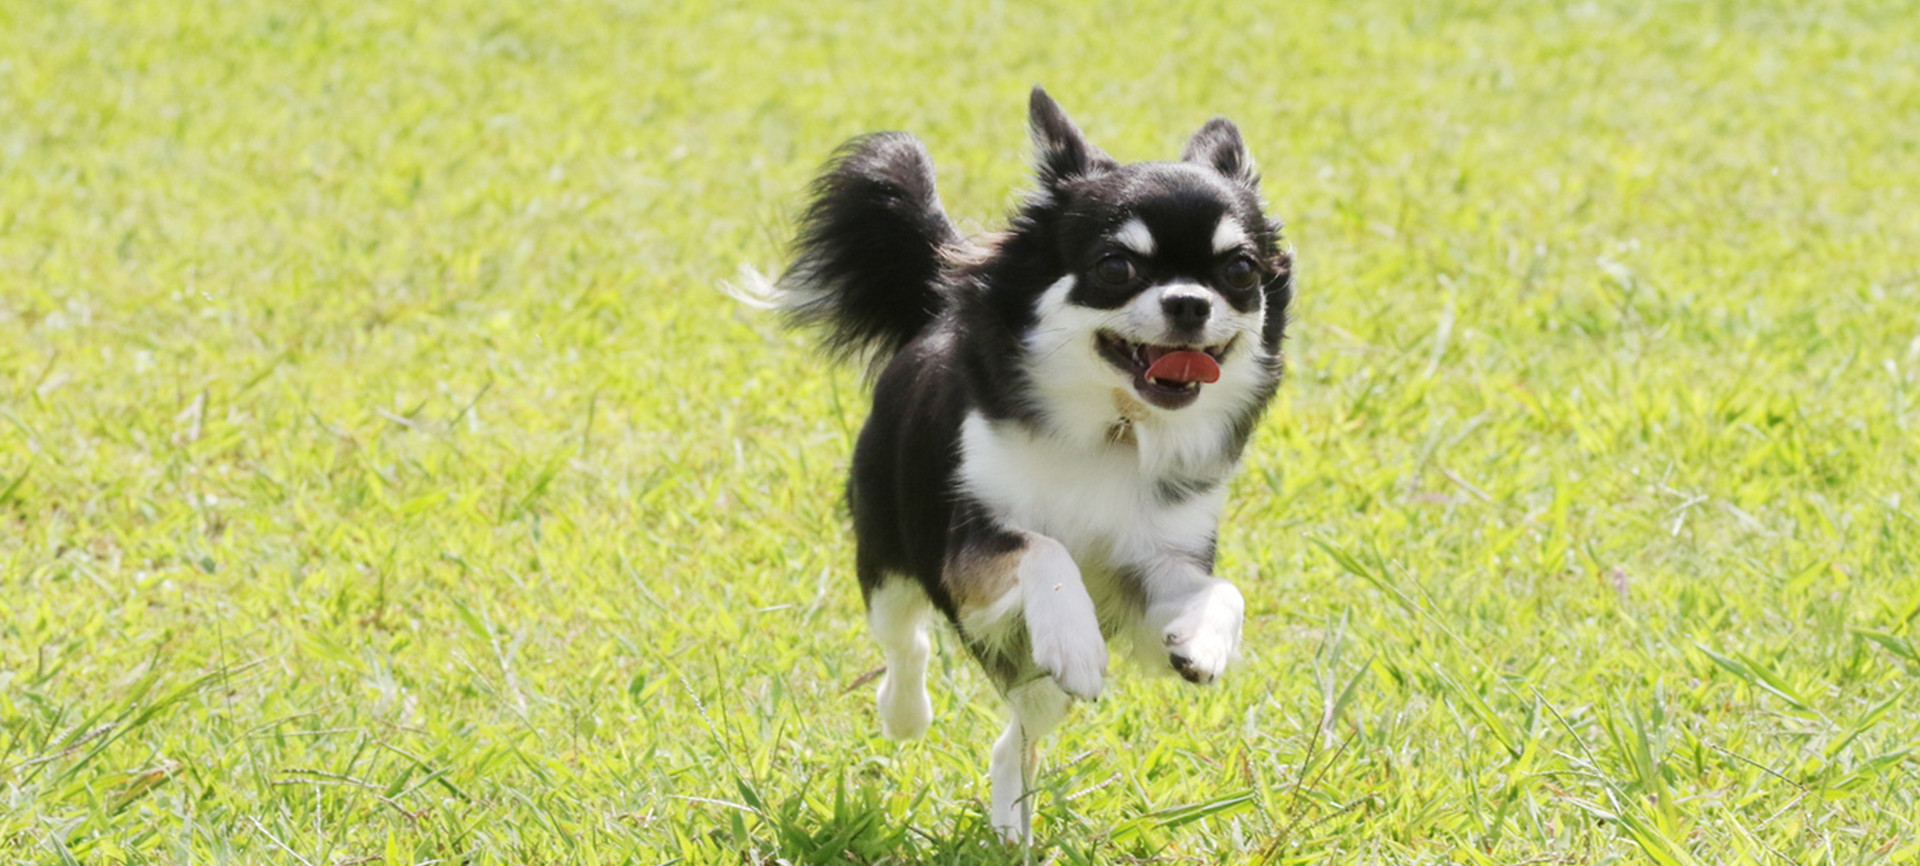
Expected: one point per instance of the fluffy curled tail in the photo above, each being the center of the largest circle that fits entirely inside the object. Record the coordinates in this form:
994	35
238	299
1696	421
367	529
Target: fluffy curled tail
867	261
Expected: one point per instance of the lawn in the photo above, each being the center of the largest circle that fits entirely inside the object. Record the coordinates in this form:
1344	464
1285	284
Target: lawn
382	478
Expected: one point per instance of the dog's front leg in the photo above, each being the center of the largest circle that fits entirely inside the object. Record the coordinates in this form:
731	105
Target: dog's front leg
1007	581
1061	621
1196	618
1003	583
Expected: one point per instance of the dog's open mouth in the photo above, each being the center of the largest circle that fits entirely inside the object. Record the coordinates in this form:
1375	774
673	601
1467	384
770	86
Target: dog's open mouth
1167	376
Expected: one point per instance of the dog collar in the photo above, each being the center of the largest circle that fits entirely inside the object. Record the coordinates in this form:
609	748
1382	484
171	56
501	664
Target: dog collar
1130	411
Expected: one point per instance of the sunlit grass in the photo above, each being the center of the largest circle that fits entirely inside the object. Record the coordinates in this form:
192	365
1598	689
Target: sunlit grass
382	480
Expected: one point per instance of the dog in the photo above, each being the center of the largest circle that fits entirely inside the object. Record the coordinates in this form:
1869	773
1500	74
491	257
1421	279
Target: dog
1057	409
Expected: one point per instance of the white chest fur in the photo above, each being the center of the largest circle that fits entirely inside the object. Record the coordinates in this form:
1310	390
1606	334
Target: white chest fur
1099	502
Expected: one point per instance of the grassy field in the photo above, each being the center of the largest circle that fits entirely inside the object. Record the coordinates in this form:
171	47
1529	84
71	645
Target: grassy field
382	479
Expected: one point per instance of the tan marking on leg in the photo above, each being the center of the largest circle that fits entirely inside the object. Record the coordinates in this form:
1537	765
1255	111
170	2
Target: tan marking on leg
976	582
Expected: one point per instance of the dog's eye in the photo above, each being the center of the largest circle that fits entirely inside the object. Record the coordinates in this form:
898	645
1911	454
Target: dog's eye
1114	270
1240	273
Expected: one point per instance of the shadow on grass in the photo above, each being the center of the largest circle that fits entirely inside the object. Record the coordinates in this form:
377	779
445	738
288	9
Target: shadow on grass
856	827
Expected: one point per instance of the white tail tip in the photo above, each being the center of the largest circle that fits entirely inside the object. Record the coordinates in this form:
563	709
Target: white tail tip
752	288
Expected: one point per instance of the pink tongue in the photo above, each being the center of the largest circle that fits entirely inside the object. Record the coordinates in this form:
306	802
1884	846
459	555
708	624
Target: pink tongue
1184	367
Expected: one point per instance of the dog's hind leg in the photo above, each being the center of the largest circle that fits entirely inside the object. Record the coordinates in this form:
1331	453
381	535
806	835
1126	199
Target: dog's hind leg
1038	707
897	613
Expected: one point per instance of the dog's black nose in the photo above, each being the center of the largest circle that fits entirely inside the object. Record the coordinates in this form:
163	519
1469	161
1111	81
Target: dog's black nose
1186	312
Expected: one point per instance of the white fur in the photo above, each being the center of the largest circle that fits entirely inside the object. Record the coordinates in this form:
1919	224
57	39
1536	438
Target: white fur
897	614
1098	503
1197	619
1011	812
1062	624
752	288
1228	235
1135	235
1109	516
1038	707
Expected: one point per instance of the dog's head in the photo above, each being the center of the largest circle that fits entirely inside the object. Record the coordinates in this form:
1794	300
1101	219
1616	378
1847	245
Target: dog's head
1165	280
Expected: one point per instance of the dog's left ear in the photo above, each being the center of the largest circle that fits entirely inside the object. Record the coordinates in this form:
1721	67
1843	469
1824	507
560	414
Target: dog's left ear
1218	146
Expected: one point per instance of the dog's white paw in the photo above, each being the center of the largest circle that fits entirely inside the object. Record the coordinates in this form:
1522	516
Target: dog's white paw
1205	635
1072	651
1011	812
905	711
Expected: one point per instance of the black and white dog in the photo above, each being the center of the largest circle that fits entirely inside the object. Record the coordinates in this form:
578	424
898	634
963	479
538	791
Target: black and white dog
1057	410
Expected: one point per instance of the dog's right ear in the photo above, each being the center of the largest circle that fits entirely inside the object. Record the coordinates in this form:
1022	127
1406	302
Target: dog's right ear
1062	152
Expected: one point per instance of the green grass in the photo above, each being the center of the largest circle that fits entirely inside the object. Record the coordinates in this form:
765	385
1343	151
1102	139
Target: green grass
382	480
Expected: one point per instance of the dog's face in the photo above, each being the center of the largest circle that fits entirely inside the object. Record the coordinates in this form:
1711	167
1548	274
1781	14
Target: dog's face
1174	287
1164	266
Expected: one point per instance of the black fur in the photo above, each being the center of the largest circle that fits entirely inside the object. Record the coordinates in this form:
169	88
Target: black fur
1218	145
867	262
1064	153
900	487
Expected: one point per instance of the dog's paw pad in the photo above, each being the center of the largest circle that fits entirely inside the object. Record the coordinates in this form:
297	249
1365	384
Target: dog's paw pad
1200	655
1203	634
1190	670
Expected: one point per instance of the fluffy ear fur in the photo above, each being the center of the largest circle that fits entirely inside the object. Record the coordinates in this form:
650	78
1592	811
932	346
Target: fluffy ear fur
1218	145
1062	152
